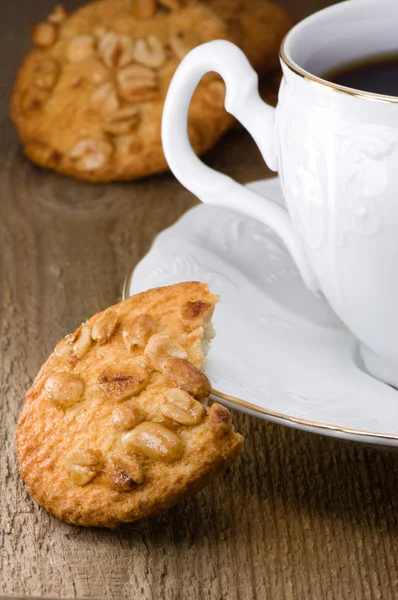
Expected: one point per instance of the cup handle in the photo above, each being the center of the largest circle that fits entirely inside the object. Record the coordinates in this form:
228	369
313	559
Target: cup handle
244	103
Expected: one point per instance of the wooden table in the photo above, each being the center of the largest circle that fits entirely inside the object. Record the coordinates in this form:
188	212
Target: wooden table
297	517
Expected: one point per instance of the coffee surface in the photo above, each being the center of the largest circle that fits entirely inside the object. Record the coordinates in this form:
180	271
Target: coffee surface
378	74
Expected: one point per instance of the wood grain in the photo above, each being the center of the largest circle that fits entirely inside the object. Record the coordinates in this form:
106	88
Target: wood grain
298	517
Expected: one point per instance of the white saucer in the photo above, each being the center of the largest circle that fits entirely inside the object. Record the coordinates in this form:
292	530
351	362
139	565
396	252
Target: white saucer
280	352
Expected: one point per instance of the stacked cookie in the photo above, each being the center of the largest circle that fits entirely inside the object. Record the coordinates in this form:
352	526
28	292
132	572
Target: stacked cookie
88	98
116	425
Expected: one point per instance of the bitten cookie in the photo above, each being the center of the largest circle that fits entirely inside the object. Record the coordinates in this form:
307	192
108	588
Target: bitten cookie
88	98
116	425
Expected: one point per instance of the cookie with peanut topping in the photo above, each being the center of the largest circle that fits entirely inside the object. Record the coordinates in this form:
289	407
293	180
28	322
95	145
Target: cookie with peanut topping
89	96
116	425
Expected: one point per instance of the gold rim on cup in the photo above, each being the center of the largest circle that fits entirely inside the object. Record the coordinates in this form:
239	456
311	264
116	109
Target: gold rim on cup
292	66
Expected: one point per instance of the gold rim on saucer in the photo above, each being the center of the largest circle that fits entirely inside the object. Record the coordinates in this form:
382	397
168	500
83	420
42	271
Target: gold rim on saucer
304	422
126	285
292	66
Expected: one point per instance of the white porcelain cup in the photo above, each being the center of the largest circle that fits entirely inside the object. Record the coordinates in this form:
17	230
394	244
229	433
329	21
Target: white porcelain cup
336	152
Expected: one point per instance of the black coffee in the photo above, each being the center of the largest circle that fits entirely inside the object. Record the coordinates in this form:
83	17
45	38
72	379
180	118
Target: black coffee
378	74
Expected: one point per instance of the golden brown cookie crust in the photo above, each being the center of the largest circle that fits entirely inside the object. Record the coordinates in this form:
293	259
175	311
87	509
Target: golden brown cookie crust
104	438
88	98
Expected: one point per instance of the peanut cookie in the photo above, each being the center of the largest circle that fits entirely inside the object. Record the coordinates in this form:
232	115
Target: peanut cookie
88	98
116	425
